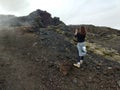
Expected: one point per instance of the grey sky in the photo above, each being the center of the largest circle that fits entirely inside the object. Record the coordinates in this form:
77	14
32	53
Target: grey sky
96	12
13	5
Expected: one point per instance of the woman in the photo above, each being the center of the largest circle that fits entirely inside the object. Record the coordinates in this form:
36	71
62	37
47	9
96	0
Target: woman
80	34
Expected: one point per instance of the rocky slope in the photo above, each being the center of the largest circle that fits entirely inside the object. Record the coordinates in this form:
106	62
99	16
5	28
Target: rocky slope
102	40
43	60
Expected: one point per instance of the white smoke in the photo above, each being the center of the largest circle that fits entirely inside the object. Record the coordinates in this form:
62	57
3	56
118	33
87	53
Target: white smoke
13	5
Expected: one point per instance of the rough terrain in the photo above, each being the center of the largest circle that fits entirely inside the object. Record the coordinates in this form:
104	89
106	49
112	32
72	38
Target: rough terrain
32	61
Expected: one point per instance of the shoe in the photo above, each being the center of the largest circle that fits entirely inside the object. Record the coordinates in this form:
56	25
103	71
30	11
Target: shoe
77	65
81	61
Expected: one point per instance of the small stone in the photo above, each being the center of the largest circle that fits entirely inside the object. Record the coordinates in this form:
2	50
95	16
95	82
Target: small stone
75	80
118	61
90	78
34	44
65	67
98	67
109	67
37	59
118	82
28	53
65	73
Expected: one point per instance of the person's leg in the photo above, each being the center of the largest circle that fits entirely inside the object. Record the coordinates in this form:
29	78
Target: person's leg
83	53
78	60
82	57
81	60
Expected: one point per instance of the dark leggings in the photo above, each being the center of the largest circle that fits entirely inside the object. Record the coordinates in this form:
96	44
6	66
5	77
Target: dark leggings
80	58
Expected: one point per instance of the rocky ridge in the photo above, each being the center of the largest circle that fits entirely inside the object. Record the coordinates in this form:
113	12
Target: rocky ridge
37	19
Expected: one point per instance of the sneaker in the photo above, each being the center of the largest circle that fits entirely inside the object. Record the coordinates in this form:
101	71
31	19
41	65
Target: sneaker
81	61
77	65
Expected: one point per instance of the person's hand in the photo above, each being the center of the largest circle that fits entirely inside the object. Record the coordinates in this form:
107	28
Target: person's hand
76	31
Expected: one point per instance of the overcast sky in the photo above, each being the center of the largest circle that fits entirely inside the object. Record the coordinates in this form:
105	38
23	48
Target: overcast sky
96	12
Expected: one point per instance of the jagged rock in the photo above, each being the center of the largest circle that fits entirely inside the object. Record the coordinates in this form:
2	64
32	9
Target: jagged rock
65	67
37	19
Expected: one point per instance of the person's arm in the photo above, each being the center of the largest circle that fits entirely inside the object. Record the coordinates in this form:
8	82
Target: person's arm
75	32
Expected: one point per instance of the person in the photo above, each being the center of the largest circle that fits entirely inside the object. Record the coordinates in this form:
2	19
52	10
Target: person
80	34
